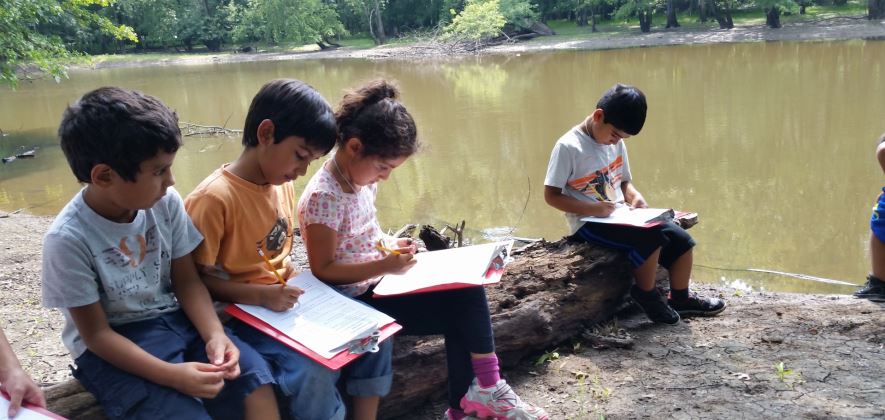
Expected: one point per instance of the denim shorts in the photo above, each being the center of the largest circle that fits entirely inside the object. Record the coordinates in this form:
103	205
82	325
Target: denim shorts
639	243
877	220
170	337
309	389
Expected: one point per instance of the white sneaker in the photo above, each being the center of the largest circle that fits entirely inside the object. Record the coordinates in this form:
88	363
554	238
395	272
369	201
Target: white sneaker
499	402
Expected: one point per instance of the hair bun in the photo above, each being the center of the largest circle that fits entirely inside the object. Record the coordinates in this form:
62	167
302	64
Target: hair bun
377	91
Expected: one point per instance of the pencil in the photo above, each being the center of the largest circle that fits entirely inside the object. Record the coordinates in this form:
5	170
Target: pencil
382	248
270	267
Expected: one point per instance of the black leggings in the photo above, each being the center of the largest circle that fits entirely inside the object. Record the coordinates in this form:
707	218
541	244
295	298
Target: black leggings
461	315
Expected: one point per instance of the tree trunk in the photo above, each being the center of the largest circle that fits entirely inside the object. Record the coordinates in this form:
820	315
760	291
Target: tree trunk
702	11
550	293
876	9
671	15
773	18
593	20
581	17
645	21
381	36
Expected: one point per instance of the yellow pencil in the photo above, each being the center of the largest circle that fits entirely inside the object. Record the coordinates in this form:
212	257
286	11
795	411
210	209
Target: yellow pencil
382	248
270	267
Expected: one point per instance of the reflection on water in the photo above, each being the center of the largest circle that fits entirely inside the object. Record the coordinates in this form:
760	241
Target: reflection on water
771	143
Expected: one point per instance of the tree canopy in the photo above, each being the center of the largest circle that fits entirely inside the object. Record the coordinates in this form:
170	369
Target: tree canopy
31	33
44	34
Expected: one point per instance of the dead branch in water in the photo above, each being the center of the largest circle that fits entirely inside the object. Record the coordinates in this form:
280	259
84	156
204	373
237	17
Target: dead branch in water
191	129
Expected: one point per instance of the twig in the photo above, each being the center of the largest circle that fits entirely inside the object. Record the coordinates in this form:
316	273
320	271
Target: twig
524	206
191	129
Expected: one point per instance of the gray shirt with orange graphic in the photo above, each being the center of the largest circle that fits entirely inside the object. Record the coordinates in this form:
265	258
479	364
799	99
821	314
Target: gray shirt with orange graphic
126	267
587	171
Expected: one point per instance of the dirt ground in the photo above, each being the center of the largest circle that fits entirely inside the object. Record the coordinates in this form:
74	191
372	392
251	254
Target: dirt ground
832	350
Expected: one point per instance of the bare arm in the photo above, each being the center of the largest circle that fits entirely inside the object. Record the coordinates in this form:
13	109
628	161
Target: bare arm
15	382
880	155
196	379
632	196
197	304
556	199
321	242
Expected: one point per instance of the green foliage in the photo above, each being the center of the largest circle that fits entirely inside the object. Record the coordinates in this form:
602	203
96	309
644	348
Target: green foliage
519	13
787	376
548	356
480	20
24	39
275	21
782	5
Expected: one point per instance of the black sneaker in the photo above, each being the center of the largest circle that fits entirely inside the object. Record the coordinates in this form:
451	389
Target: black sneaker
873	290
697	306
654	306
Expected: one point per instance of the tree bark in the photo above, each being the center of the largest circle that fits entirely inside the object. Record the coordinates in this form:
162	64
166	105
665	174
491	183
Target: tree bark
671	15
876	9
379	33
773	18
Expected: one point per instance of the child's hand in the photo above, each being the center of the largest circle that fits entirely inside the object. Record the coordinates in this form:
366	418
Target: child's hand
280	298
406	246
21	388
639	202
223	354
200	380
602	208
399	264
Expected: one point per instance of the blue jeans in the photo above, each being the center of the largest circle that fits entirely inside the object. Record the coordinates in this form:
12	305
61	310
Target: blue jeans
170	337
309	389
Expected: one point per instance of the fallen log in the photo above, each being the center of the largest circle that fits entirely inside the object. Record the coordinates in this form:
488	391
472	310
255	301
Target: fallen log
550	293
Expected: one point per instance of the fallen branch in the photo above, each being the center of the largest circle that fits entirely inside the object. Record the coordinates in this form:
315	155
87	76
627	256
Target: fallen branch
191	129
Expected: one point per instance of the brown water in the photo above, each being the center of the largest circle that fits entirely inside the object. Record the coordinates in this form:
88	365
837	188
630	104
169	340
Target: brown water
771	143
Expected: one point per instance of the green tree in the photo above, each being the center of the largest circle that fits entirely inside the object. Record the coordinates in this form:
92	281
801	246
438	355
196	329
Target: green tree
23	43
479	21
371	11
277	21
773	9
520	14
642	9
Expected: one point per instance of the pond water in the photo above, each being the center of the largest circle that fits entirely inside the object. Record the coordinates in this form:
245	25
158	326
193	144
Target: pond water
771	143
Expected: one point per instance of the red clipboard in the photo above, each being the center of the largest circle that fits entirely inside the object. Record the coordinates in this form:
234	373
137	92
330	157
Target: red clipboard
34	408
492	277
337	362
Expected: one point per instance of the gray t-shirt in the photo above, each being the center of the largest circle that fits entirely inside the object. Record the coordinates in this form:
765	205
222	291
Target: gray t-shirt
587	171
124	266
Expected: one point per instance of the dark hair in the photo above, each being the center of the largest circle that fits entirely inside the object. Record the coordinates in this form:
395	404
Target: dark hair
296	109
373	114
882	139
117	127
624	107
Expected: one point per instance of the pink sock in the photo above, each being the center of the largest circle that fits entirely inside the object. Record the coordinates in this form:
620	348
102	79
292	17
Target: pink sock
456	414
486	370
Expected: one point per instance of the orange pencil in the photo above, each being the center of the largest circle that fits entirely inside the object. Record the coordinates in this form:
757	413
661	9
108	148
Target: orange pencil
270	267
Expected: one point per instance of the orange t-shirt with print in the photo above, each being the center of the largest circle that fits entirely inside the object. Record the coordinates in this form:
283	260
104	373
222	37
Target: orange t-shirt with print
236	218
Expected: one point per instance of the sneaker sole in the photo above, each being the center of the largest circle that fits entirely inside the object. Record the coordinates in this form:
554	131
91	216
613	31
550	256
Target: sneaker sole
873	298
694	313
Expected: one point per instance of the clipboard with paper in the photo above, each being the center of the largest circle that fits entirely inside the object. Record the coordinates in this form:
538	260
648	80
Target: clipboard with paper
647	217
326	326
456	268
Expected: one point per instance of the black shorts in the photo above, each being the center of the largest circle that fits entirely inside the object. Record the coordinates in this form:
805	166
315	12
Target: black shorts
639	243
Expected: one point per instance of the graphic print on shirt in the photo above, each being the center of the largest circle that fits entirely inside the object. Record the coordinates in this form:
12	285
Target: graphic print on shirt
131	277
275	239
600	185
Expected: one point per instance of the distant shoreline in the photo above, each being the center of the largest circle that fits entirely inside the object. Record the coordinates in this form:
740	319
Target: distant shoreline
831	29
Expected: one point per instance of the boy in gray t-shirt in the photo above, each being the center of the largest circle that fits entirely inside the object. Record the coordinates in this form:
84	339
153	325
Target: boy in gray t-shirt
117	262
589	175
